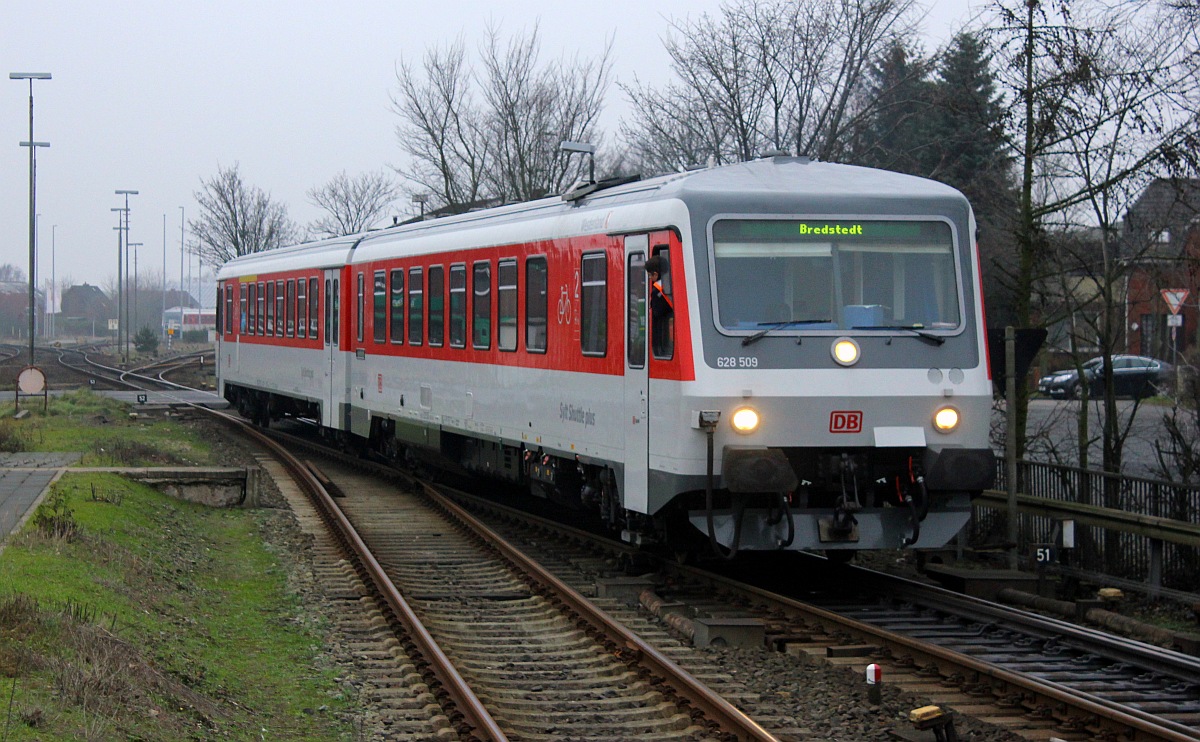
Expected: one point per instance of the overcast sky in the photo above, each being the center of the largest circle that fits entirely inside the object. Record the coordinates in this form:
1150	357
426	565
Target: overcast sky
153	96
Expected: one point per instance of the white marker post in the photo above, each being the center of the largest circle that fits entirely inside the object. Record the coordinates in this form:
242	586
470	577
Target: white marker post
874	683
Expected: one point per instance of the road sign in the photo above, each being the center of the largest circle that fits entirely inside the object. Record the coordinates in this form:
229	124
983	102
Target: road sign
1175	320
1174	299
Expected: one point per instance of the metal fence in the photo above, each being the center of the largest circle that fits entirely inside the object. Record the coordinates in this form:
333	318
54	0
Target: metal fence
1120	554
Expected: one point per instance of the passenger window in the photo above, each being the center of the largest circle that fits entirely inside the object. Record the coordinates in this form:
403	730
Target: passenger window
279	308
536	304
437	307
506	301
379	307
481	307
458	306
314	307
361	306
416	306
291	307
243	309
301	308
593	309
253	329
396	318
270	308
636	306
662	310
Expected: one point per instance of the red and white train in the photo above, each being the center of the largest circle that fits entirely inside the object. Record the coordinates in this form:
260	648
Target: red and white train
822	383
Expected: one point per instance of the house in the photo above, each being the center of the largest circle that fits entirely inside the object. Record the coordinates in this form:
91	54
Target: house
1160	236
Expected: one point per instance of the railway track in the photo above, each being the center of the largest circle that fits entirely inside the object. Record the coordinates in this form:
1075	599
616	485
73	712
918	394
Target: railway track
504	671
1014	677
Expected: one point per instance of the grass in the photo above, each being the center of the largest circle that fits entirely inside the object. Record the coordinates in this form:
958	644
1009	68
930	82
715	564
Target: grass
102	429
125	614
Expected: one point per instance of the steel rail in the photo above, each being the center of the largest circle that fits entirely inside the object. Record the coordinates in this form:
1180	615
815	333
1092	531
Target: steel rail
1123	720
476	715
688	687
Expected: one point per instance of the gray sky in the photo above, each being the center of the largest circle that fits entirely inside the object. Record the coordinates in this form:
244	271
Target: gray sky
153	96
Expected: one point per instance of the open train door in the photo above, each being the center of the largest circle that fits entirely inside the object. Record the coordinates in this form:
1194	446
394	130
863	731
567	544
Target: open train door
637	378
335	370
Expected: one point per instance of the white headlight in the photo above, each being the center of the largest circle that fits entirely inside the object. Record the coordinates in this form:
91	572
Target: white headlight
845	351
945	419
744	420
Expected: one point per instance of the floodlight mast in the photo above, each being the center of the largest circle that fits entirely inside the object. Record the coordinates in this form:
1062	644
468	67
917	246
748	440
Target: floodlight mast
32	145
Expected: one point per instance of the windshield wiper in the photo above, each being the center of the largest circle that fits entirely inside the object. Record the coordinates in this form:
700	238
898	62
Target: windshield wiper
772	326
935	339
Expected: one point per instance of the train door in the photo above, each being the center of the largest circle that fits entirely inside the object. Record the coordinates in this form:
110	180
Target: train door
637	381
336	368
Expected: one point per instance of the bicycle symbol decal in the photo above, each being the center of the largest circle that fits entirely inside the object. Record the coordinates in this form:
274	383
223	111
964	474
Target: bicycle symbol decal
564	307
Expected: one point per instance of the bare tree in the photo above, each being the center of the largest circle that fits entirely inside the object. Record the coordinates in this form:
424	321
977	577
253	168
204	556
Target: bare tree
352	205
494	133
237	219
766	74
10	272
1100	97
441	128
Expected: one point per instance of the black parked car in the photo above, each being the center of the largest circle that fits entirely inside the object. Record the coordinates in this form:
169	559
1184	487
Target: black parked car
1133	376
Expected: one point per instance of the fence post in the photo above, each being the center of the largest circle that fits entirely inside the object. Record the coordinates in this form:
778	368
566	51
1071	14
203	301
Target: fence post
1010	442
1154	578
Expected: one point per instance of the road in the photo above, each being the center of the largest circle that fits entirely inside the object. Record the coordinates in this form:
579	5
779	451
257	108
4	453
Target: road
1053	433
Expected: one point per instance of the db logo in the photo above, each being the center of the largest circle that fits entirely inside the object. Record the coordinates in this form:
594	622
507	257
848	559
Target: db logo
845	421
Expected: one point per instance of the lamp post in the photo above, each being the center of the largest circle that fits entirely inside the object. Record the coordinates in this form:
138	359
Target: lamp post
133	287
32	145
53	282
122	312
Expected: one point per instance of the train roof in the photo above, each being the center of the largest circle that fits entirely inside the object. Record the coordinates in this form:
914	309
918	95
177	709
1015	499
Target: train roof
756	181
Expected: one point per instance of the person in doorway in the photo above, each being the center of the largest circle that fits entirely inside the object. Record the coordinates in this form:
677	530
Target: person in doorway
661	308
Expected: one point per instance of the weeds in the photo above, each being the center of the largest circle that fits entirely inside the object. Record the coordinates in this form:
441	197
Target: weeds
115	497
125	452
13	439
55	519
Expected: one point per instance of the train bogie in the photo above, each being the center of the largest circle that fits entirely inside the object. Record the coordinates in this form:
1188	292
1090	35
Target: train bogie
806	370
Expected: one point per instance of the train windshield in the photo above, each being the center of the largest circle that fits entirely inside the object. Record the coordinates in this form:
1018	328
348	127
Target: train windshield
798	275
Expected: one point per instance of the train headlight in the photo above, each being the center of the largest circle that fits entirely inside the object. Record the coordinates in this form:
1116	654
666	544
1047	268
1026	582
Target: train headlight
744	420
845	351
945	420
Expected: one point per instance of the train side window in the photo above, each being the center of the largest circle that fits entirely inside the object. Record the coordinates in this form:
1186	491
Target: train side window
361	306
536	304
252	329
662	331
262	309
228	310
243	309
593	304
397	307
437	311
458	306
336	313
635	300
416	306
314	307
279	308
481	306
328	307
301	308
379	302
506	304
270	308
290	307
